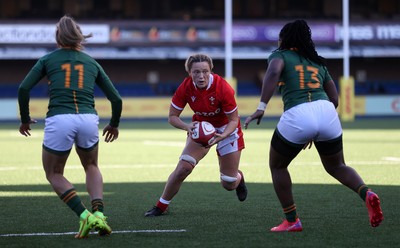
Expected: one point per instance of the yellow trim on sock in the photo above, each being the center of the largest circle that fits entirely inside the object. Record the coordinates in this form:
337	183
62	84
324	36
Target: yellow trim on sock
360	188
289	209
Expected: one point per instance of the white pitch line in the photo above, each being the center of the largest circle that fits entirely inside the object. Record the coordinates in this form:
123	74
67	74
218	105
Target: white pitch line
72	233
79	167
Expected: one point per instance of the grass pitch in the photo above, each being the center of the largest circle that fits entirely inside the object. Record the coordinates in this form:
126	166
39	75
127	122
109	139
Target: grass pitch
203	214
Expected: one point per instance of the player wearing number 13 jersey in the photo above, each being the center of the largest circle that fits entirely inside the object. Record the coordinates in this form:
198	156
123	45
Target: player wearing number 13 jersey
301	80
72	120
310	99
212	100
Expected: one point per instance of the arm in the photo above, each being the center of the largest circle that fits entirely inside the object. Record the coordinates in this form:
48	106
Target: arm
270	81
331	91
33	77
232	125
105	84
26	121
176	121
110	131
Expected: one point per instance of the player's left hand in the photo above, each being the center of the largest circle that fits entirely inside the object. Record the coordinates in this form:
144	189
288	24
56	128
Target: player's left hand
256	115
217	138
111	133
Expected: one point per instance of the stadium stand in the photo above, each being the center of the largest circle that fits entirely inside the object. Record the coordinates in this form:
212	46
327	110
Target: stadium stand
374	51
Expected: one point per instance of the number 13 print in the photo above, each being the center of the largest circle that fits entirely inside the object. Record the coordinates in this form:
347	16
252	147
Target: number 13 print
314	79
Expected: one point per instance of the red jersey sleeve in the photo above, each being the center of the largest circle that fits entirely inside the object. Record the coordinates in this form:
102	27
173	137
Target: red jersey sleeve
179	98
227	94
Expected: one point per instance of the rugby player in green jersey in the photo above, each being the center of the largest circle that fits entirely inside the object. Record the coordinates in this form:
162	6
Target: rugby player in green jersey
72	119
310	99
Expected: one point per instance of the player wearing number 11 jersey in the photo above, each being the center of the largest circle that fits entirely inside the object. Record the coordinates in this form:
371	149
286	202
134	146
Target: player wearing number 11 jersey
72	120
310	98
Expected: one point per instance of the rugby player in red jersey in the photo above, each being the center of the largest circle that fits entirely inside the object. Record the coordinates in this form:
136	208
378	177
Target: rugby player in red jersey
211	99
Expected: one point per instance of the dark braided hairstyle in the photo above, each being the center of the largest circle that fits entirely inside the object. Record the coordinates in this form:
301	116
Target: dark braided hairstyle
297	35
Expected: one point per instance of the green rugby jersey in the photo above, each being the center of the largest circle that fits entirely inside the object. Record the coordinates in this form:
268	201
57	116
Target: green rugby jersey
301	79
72	76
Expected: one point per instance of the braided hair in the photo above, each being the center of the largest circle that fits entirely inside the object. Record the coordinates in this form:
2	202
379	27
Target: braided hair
297	36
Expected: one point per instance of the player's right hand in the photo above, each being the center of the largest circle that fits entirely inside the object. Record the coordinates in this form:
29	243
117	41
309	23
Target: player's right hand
190	127
256	115
24	128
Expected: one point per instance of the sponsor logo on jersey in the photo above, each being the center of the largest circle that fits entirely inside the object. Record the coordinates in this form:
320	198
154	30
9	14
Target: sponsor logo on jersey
218	110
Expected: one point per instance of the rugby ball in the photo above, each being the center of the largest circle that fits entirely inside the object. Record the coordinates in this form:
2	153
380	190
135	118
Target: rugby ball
203	133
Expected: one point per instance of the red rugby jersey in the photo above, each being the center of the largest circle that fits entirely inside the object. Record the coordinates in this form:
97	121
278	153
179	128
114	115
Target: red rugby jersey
211	104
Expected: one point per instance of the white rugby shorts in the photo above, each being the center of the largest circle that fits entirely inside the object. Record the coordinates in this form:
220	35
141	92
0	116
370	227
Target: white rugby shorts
229	144
317	121
64	130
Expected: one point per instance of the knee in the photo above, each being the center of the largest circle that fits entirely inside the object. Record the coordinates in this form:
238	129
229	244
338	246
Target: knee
228	182
49	177
90	168
188	159
332	169
183	170
54	172
329	170
228	186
